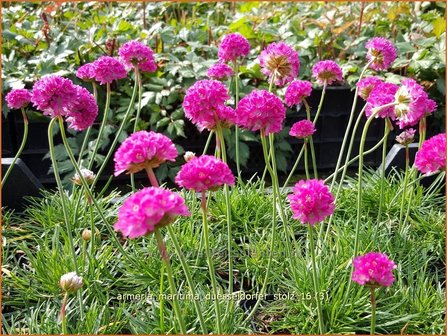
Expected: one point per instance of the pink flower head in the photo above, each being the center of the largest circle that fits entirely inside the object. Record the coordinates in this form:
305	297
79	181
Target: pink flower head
204	103
413	103
327	71
147	210
107	69
203	173
297	91
84	111
233	46
406	137
373	269
431	156
18	98
311	201
134	53
53	95
365	86
261	110
302	129
382	94
382	52
86	72
220	71
143	149
281	61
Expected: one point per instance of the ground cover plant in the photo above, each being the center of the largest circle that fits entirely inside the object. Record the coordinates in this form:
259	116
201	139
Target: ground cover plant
218	253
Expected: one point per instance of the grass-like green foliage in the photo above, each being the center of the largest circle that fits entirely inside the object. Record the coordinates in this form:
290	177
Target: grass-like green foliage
36	254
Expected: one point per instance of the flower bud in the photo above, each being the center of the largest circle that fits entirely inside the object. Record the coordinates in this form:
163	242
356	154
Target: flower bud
87	234
88	175
406	137
189	156
70	282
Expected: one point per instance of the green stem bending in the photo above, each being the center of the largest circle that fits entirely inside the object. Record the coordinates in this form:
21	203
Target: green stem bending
101	129
208	141
236	130
373	310
210	264
404	193
165	258
137	117
382	170
306	164
22	146
315	280
311	142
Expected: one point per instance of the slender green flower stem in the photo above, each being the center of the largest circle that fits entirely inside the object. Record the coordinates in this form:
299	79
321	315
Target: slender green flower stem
382	171
348	127
315	280
293	169
320	105
103	124
62	316
206	236
137	117
165	258
208	141
373	310
118	133
22	146
306	164
311	141
422	130
162	301
236	130
273	237
89	130
404	193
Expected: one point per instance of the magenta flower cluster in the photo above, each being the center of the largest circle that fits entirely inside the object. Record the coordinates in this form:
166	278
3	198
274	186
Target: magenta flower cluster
86	72
302	129
204	173
431	156
381	52
297	91
311	201
232	47
373	269
147	210
382	94
84	111
327	72
220	71
142	150
134	53
107	69
18	98
366	85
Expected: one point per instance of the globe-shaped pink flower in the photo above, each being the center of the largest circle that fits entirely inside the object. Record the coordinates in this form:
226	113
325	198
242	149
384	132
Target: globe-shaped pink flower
373	269
107	69
86	72
261	110
281	62
327	72
381	94
366	85
430	158
412	103
147	210
302	129
204	173
382	52
142	150
53	95
134	53
297	91
84	111
18	98
311	201
232	47
220	71
204	104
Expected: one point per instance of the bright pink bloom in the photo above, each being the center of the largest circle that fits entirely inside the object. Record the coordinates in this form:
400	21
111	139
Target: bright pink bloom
382	51
413	103
148	66
136	53
302	129
431	156
327	71
281	61
204	103
233	46
53	95
382	94
311	201
203	173
406	137
107	69
297	91
18	98
143	149
86	72
220	71
373	269
365	86
147	210
84	111
261	110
